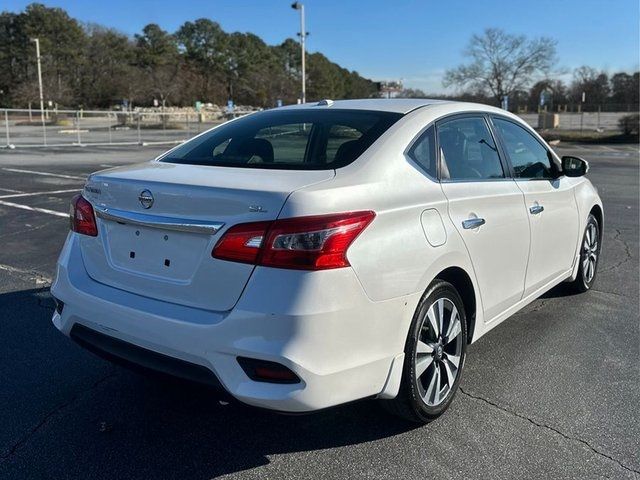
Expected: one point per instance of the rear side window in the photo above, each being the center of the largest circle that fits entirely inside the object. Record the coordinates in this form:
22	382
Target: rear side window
528	157
287	139
467	150
423	152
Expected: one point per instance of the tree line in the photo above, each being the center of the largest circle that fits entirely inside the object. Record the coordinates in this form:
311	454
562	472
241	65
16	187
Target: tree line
93	66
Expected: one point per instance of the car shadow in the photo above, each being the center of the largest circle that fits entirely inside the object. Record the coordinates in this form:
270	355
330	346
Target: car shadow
102	421
564	289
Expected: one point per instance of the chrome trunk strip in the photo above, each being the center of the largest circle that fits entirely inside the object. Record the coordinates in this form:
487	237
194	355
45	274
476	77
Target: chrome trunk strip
155	221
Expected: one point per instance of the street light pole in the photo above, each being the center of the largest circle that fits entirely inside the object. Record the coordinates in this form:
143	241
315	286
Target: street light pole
303	35
44	130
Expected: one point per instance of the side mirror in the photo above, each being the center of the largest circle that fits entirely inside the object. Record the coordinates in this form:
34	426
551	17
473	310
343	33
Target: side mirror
574	166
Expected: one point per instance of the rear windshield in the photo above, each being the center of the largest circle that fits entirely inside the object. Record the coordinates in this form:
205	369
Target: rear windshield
287	139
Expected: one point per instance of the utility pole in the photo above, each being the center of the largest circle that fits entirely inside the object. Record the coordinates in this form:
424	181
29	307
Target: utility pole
584	97
44	129
303	35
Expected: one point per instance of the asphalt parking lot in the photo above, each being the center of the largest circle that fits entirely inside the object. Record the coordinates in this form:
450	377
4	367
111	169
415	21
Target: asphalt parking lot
553	392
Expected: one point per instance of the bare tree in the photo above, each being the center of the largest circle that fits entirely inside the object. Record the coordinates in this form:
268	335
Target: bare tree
501	63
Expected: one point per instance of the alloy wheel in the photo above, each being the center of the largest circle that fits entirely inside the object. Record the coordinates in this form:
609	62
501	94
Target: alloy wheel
438	352
590	253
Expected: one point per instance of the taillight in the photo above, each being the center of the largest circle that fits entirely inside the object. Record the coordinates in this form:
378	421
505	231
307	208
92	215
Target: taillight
304	243
242	242
313	243
82	217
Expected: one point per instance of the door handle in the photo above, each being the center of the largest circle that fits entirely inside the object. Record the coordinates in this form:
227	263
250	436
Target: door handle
536	209
473	223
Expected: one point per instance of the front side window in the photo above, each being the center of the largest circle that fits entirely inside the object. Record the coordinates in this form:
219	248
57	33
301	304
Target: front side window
302	139
529	158
467	150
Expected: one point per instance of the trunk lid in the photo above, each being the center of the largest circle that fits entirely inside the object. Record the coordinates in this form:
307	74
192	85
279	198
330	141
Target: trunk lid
164	251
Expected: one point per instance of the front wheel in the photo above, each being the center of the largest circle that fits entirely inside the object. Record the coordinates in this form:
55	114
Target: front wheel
589	256
434	355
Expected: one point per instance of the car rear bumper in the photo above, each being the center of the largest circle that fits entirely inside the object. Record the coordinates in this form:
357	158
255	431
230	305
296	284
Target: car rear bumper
320	325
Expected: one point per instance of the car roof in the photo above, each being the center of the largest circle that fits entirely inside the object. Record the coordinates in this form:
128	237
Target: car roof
397	105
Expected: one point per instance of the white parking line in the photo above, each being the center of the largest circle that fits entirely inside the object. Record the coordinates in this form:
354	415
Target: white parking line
33	194
10	190
34	209
47	174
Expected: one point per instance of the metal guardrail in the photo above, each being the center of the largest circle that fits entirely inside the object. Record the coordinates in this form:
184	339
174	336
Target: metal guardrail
59	128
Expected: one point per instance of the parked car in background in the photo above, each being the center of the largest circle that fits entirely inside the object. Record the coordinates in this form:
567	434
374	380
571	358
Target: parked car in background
312	255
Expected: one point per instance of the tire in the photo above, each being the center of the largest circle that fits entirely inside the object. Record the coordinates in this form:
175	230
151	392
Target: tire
589	256
431	357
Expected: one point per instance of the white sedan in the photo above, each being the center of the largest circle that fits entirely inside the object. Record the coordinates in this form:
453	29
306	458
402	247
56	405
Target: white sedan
312	255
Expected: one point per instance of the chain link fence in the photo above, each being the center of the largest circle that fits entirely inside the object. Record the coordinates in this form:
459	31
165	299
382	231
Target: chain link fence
59	128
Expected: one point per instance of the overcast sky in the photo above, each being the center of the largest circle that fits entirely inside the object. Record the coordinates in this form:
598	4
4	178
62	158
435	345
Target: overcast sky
396	39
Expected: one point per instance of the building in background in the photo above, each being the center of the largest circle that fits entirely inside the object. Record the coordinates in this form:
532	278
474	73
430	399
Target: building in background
389	88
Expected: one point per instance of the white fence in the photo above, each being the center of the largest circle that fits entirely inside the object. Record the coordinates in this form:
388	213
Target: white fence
585	121
33	128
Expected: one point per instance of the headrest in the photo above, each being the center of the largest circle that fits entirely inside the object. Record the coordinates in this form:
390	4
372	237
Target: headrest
348	151
258	147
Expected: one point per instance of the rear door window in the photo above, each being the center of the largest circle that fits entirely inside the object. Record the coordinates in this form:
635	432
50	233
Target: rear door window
467	150
302	139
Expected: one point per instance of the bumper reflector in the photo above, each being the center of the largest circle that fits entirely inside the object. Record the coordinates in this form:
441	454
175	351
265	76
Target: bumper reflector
265	371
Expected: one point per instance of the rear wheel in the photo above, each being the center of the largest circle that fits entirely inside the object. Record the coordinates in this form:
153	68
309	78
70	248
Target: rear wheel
589	256
434	355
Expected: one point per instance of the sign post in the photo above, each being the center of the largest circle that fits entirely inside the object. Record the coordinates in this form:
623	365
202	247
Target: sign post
505	102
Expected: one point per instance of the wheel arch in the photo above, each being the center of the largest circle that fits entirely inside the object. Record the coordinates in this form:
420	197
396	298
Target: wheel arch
596	211
461	280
